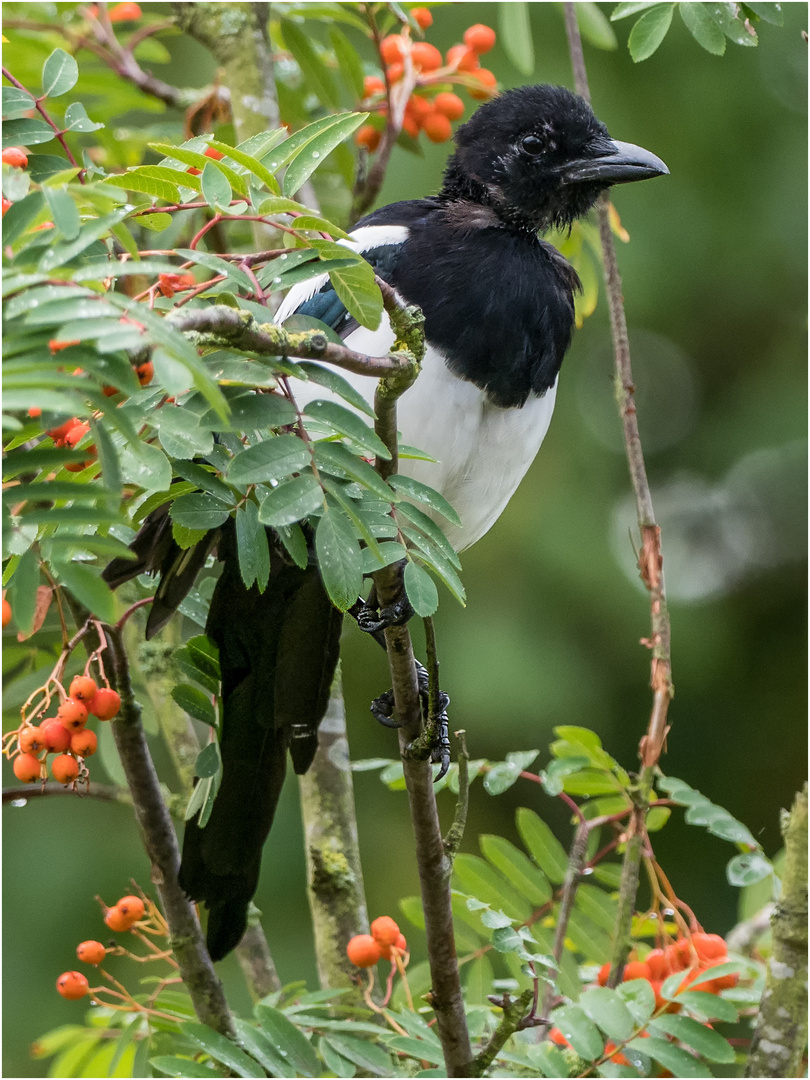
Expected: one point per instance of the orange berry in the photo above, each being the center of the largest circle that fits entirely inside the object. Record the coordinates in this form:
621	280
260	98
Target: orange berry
166	284
35	411
27	768
399	948
7	205
116	920
418	107
363	951
194	172
462	58
372	85
44	225
145	373
449	105
72	985
213	153
724	982
426	57
604	974
91	952
58	434
422	17
127	12
479	38
32	740
84	743
82	688
64	768
92	11
437	128
557	1037
392	48
636	969
185	281
709	946
77	433
13	155
385	930
369	137
104	704
56	735
72	714
410	126
6	612
488	84
395	72
57	346
617	1059
658	964
131	907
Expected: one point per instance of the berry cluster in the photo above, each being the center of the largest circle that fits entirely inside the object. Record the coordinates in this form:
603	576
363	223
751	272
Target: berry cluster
64	735
430	107
385	942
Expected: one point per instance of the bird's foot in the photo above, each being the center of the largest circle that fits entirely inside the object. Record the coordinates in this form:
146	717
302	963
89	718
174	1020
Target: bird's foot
373	620
434	742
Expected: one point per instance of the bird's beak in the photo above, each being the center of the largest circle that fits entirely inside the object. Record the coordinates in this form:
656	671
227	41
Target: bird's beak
620	163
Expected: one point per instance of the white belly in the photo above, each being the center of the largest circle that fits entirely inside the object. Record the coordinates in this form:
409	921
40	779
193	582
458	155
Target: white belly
482	452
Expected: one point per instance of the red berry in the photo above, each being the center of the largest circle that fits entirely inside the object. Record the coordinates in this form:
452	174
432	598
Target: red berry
32	740
426	57
709	946
449	105
64	768
636	969
7	205
658	964
369	137
82	688
13	155
437	128
193	171
72	714
72	985
131	907
57	346
58	434
145	373
77	433
105	703
127	12
395	72
479	38
363	951
6	612
91	952
604	974
422	17
27	768
385	930
56	735
213	153
84	743
116	920
392	48
372	85
488	85
35	411
462	58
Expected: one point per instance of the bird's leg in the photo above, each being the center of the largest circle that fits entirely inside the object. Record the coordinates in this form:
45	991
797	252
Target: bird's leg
372	619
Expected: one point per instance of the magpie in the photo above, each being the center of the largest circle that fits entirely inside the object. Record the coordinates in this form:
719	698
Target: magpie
498	302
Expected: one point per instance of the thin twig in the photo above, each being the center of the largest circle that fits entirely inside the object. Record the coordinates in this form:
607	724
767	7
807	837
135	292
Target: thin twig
573	876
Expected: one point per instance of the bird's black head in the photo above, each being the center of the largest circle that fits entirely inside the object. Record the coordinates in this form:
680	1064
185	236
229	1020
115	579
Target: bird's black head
538	156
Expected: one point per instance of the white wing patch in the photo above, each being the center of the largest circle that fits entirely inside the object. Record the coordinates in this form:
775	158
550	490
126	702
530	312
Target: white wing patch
363	239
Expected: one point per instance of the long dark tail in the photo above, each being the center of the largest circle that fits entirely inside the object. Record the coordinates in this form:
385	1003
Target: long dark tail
278	651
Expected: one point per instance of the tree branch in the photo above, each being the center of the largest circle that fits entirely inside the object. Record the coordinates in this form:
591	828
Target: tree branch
107	792
513	1013
255	958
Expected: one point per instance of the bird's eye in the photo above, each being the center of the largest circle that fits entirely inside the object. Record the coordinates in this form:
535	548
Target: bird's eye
532	144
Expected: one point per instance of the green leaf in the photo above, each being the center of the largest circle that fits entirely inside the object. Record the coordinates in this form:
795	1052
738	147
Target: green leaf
543	845
76	119
23	591
579	1031
336	457
726	16
417	1048
60	73
317	77
64	211
369	1057
59	254
26	131
649	32
149	185
748	867
271	459
309	158
706	1042
515	35
86	585
703	28
731	967
549	1059
208	762
339	558
15	100
345	422
477	878
356	287
288	1040
671	1057
171	1065
389	552
219	266
145	465
259	1046
199	511
422	493
339	1065
639	997
518	868
350	64
222	1049
657	818
250	163
429	527
294	541
621	11
609	1012
196	160
421	590
328	377
252	546
771	13
291	501
709	1005
594	27
195	703
215	188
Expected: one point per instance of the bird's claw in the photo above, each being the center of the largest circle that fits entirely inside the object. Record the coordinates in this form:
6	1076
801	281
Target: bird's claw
382	709
437	727
372	620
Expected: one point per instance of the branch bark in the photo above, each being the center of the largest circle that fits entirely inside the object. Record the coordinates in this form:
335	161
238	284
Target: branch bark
780	1036
336	895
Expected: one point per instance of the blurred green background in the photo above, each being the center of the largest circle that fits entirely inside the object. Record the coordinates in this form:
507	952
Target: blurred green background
715	286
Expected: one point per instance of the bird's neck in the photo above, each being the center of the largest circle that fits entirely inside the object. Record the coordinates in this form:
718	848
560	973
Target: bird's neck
459	184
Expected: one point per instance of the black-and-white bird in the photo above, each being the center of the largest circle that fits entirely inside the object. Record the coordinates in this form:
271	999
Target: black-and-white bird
498	302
